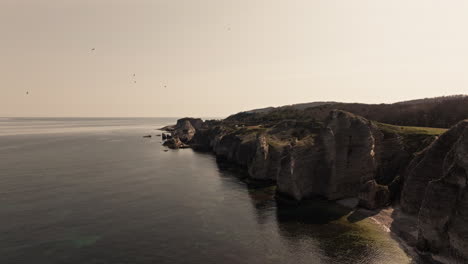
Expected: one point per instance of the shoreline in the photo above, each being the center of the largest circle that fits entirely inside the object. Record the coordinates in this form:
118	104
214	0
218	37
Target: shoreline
403	229
347	157
384	217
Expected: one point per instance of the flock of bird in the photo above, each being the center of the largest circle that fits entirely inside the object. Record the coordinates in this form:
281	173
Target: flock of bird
134	76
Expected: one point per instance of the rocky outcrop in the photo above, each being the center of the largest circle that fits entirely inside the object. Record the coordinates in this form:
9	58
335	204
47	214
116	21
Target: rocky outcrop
393	156
436	189
373	195
186	128
266	162
348	156
349	142
427	166
237	149
333	159
260	162
182	133
175	143
334	163
304	171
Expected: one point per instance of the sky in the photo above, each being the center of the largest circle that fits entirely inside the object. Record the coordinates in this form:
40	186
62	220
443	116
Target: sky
77	58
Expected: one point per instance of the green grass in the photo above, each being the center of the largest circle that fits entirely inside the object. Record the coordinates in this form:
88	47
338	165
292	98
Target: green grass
431	131
249	130
276	142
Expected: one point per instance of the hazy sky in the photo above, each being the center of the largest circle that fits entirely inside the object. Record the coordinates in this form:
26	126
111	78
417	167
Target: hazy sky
218	57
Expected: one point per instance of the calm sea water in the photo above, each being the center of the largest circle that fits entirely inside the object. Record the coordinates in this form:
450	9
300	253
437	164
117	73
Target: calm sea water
95	191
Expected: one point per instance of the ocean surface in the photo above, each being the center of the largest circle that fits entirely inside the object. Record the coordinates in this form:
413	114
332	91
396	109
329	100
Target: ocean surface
95	191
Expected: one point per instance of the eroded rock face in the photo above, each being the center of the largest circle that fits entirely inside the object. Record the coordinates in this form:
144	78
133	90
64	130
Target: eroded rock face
259	165
304	170
266	162
334	159
334	164
348	156
197	123
373	195
175	143
392	157
443	215
426	167
186	128
350	148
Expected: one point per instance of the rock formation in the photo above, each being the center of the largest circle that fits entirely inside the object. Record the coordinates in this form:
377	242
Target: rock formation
186	128
436	189
182	133
332	163
175	143
373	195
347	156
333	159
427	166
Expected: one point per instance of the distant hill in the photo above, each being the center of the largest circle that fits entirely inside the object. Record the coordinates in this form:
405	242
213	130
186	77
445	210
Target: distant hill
438	99
442	112
294	106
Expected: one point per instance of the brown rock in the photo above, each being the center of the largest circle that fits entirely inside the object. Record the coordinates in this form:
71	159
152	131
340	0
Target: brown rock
175	143
443	215
427	166
373	195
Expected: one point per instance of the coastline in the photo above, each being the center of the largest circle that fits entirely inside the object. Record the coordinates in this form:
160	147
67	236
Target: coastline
346	157
403	229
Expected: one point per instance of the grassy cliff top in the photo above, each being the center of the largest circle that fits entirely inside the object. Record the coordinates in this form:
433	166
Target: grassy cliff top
406	130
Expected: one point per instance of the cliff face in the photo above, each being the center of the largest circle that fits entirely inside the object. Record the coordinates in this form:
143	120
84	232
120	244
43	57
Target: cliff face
427	166
350	147
337	158
334	163
186	128
346	155
266	162
436	189
303	161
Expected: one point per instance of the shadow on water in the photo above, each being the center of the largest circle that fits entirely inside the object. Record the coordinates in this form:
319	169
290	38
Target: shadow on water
357	216
340	233
325	223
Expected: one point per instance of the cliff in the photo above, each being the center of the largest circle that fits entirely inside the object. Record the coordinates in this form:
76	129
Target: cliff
442	112
343	155
436	191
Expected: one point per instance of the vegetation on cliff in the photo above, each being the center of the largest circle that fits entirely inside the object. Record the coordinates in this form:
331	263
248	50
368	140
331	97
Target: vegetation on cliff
366	152
439	112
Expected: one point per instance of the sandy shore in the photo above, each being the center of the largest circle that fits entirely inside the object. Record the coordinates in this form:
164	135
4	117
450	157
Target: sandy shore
403	229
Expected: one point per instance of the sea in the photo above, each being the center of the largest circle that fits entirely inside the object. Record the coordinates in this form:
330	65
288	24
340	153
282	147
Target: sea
95	191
